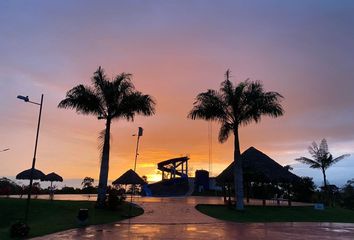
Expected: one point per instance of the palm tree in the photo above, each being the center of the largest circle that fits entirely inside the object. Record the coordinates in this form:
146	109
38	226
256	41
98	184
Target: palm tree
87	182
109	100
322	158
235	106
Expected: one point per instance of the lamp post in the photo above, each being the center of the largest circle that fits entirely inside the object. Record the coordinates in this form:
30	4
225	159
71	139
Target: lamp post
26	99
140	133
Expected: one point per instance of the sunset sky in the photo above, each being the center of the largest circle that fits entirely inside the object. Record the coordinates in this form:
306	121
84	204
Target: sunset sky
175	50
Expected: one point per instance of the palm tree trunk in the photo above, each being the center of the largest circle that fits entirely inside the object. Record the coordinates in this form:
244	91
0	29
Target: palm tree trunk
102	184
324	179
326	192
238	172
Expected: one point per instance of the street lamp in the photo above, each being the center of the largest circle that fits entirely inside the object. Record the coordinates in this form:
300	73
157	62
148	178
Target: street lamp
26	99
140	133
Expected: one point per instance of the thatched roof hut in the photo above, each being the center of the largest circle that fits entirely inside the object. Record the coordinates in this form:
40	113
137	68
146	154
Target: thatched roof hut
26	175
52	177
129	177
258	167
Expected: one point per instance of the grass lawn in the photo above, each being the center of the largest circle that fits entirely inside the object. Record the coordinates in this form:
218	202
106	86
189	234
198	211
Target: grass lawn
52	216
277	214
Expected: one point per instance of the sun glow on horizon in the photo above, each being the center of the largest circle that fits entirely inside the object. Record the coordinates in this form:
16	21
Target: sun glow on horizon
153	177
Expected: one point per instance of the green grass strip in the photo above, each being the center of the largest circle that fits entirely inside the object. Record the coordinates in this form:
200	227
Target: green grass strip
47	217
277	214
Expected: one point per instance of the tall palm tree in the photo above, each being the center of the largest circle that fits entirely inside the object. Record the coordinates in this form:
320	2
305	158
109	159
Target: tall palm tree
235	106
322	158
109	100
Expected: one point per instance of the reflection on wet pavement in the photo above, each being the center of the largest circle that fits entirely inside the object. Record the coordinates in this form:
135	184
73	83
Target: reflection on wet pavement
177	218
222	230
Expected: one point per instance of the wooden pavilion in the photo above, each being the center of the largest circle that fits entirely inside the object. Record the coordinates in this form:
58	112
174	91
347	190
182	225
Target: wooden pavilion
257	168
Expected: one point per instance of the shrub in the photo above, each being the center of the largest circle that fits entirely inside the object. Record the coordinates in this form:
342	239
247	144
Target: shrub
19	229
8	187
304	190
347	195
89	190
115	198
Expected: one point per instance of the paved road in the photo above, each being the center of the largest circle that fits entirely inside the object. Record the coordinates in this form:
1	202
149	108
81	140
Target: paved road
176	218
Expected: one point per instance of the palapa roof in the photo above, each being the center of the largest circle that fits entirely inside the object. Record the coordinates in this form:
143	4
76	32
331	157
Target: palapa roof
129	177
26	175
52	177
258	167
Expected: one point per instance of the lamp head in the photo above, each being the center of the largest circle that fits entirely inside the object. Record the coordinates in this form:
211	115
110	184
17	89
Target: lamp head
26	99
140	132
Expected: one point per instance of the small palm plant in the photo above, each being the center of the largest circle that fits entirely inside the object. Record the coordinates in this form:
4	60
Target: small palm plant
109	100
234	106
322	158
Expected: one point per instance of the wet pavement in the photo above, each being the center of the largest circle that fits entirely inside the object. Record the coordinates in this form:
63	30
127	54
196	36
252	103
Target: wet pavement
222	230
177	218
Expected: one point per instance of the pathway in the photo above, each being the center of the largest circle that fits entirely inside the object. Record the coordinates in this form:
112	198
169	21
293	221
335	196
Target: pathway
176	218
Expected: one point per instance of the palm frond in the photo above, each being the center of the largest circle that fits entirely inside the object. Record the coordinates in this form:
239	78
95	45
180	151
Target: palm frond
271	104
99	80
100	138
324	146
123	77
84	100
117	90
256	103
312	163
313	150
208	106
122	83
224	132
227	89
337	159
135	103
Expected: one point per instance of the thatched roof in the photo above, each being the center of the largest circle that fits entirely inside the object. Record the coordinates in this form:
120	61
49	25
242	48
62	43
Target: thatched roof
52	177
129	177
258	167
26	175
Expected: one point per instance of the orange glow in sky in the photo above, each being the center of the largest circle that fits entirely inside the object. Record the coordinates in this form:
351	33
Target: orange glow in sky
174	50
